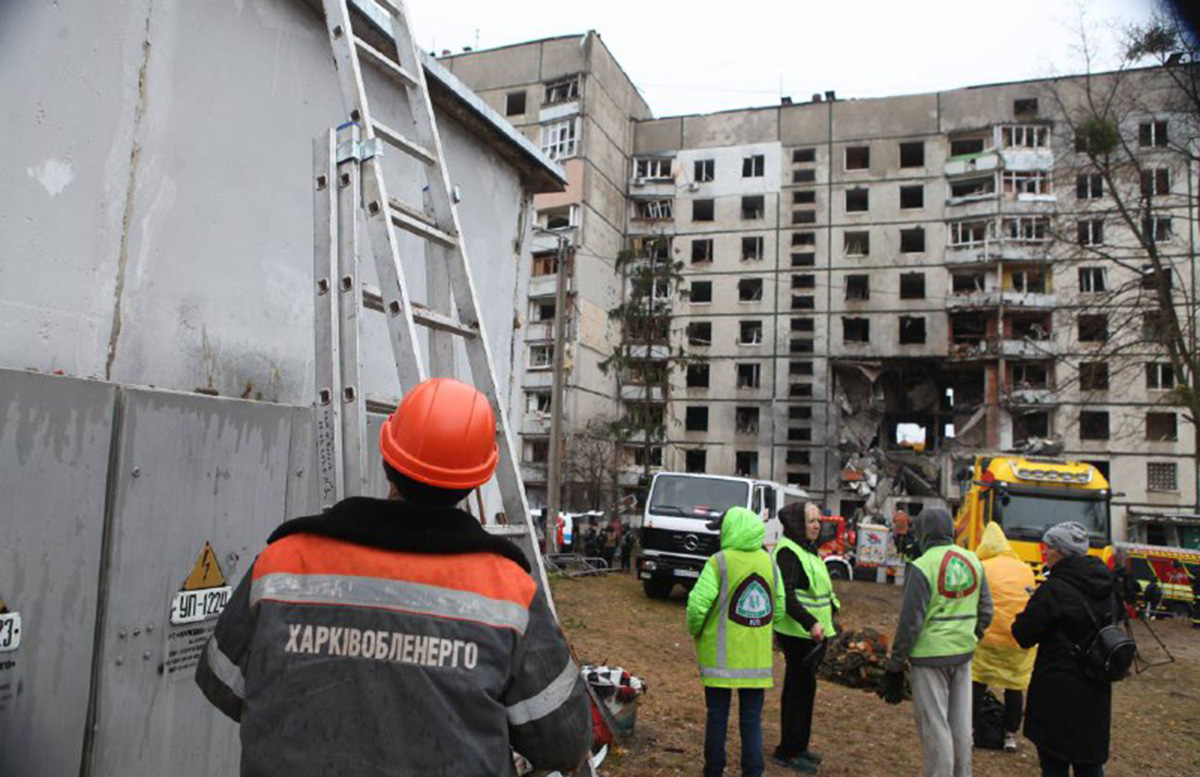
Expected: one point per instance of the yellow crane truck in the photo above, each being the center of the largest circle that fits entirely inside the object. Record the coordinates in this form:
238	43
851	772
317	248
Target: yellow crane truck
1026	495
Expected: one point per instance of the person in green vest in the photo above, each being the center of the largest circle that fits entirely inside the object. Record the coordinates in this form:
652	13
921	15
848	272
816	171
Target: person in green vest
803	631
946	608
730	611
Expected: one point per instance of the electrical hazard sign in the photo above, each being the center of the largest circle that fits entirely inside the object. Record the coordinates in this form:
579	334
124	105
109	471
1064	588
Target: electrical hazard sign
204	593
10	629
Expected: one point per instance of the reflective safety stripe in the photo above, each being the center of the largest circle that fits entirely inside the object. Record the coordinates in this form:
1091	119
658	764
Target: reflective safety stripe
229	673
735	674
722	606
547	700
396	595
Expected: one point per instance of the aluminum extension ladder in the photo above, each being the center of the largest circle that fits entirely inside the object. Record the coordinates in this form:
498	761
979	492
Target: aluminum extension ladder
349	182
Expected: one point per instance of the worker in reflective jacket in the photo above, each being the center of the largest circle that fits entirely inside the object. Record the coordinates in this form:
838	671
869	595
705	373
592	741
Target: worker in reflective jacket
730	611
946	608
803	631
397	636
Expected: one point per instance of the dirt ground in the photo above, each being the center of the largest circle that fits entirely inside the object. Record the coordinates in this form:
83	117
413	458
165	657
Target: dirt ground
1156	715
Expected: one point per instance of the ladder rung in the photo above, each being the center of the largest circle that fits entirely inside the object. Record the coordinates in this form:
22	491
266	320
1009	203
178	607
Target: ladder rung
419	224
373	300
414	150
506	530
385	64
390	7
381	405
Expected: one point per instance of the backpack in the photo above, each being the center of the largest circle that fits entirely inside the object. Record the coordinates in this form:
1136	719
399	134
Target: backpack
988	722
1107	653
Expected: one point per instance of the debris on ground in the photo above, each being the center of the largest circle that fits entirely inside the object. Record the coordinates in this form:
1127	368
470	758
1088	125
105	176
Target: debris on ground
856	659
619	691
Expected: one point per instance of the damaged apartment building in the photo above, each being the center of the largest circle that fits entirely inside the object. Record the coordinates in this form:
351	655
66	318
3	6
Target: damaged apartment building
875	290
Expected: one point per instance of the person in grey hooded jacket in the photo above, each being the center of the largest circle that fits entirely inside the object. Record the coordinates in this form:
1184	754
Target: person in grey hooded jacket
945	610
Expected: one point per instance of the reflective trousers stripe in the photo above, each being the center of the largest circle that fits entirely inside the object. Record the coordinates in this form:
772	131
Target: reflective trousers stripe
547	700
394	595
967	617
229	673
722	606
735	674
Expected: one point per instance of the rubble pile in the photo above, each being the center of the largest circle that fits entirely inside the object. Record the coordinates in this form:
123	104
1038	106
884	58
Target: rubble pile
855	658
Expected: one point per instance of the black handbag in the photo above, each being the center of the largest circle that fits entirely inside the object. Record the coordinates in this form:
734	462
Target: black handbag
1107	652
988	722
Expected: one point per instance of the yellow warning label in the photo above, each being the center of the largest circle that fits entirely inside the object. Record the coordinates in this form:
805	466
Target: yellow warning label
206	573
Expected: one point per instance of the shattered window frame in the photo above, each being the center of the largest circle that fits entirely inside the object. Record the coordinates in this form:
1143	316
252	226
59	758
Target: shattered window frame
745	419
704	170
1026	229
858	199
702	250
754	207
1026	182
971	233
856	330
1162	426
912	285
746	464
750	289
1024	136
658	209
748	375
653	168
538	401
750	332
856	243
560	138
541	356
857	287
911	330
1094	425
561	90
754	166
857	158
752	248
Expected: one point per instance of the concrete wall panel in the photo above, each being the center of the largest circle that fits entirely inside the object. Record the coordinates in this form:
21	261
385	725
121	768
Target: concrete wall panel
733	128
652	137
909	115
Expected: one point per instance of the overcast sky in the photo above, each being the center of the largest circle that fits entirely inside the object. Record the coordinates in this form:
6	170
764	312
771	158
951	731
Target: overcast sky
687	60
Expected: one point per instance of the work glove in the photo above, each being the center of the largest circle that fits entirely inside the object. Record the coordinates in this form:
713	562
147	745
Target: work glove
892	687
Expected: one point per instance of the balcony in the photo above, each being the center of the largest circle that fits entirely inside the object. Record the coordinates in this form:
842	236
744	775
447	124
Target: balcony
1026	349
972	254
1028	300
974	300
640	393
971	163
648	351
972	206
1043	396
1027	158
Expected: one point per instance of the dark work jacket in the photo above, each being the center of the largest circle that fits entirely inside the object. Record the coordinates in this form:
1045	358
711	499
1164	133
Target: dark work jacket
1068	714
390	638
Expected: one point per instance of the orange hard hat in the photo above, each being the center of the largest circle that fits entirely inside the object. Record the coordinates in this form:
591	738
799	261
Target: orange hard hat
442	434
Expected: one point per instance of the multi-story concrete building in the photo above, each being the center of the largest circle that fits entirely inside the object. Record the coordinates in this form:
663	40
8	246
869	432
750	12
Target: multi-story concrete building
881	288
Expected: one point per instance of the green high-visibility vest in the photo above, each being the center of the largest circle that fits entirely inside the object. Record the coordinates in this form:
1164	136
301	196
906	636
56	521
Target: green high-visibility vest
955	583
734	648
818	598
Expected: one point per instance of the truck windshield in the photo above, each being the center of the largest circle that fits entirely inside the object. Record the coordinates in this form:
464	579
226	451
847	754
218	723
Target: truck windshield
1027	516
704	498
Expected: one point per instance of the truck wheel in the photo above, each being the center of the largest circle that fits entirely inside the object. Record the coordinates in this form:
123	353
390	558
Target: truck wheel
657	588
837	571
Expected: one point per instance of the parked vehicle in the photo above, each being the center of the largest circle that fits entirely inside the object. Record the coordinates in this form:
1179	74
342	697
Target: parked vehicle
1164	550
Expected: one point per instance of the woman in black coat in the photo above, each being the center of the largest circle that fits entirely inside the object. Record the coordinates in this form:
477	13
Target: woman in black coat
1068	714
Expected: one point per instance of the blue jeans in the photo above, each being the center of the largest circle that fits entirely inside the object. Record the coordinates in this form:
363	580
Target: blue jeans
750	705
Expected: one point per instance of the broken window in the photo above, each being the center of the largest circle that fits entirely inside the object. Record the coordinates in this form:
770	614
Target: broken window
1029	376
801	345
1155	326
1148	278
1090	232
856	200
912	241
695	460
558	139
804	197
750	333
746	464
803	302
703	210
654	168
654	210
704	170
799	434
804	260
967	328
803	155
657	248
1024	136
752	248
1026	425
966	146
804	238
695	418
1025	107
753	206
1032	229
912	154
750	290
1157	229
563	217
804	281
1092	280
802	325
801	479
968	233
912	330
804	390
857	243
541	356
858	157
701	291
699	333
697	376
1093	425
1093	328
537	401
1032	327
1030	281
1161	476
1160	376
514	103
982	186
753	166
804	176
1093	376
912	285
562	90
1152	133
800	368
702	251
640	458
1156	182
1161	427
804	217
748	375
1089	186
856	330
1026	182
912	197
966	282
536	451
800	413
799	458
745	420
858	288
541	309
544	264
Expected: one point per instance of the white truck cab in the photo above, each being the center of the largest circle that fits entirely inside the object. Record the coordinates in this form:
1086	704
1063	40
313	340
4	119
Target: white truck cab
676	541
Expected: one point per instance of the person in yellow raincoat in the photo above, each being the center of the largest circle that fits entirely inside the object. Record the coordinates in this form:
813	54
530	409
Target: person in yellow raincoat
999	661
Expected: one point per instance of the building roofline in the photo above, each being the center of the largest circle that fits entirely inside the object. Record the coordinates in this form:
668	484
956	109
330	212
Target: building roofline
511	45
